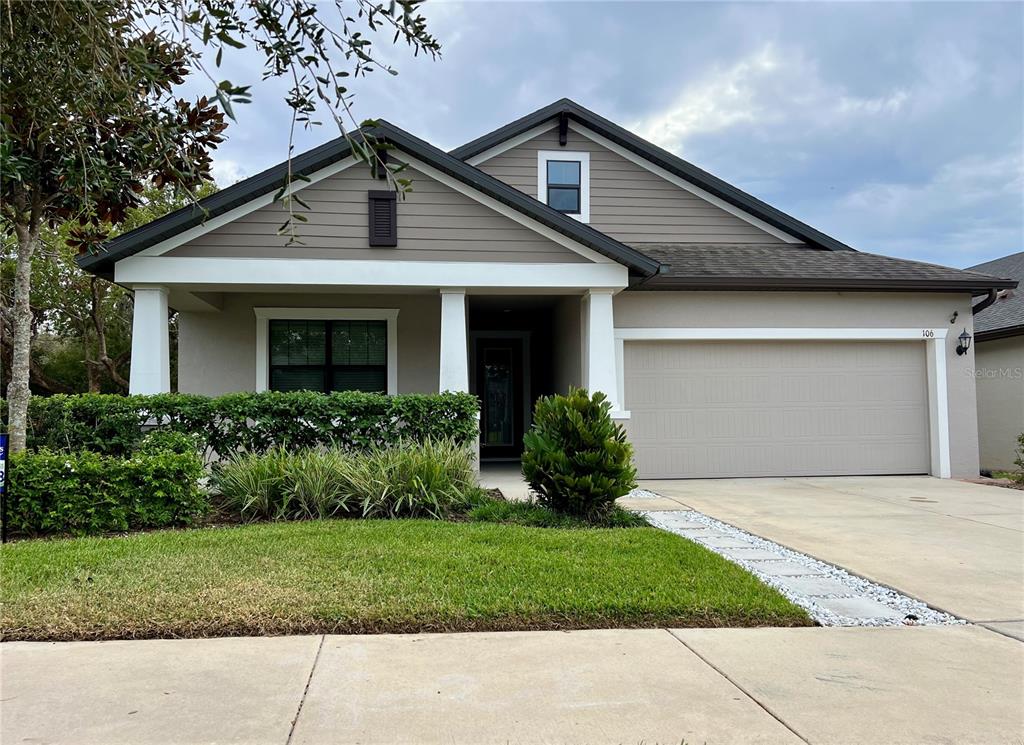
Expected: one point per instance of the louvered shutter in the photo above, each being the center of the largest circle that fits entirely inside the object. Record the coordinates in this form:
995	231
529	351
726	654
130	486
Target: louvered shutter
383	218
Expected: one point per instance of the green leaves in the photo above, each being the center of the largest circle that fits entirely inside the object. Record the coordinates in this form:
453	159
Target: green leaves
86	493
575	457
409	479
251	422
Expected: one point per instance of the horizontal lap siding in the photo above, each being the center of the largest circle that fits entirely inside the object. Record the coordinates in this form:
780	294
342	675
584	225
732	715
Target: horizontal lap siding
628	202
435	223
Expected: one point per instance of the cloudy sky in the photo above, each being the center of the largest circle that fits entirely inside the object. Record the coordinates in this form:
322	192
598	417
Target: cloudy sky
895	127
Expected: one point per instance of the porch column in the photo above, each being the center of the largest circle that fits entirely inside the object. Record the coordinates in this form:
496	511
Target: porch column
151	359
600	369
454	349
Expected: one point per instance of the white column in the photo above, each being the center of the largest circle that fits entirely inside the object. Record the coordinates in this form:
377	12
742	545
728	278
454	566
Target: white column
151	359
600	368
454	349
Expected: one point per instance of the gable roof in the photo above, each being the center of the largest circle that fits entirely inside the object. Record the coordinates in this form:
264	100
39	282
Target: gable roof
320	157
659	157
1005	317
780	266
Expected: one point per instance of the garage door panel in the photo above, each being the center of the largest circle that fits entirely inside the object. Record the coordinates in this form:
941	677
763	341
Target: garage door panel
718	409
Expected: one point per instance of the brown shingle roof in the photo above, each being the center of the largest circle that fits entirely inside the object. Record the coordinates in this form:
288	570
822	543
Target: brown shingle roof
782	266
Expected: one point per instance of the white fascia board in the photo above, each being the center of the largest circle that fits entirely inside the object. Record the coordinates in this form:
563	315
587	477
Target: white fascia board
242	210
684	184
511	142
781	334
300	273
506	211
265	315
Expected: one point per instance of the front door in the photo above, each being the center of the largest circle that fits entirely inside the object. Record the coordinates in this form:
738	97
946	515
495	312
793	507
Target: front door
500	386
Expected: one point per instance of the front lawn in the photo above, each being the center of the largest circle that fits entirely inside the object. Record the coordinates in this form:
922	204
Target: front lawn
358	576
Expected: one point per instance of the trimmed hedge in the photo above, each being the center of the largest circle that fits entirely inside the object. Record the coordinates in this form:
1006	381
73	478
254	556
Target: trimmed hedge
85	493
250	422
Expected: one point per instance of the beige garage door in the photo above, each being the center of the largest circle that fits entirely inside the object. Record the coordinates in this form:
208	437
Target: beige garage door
719	409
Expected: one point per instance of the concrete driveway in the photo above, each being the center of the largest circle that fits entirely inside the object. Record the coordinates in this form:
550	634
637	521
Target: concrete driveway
958	547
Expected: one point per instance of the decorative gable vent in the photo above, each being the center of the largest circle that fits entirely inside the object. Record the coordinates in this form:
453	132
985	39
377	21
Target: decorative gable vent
383	218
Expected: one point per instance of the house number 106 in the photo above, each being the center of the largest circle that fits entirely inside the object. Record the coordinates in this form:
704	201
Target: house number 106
928	333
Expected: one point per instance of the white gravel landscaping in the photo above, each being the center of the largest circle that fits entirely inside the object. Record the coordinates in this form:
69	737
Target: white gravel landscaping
832	596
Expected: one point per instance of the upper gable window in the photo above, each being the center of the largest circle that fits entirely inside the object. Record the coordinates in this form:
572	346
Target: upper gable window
563	182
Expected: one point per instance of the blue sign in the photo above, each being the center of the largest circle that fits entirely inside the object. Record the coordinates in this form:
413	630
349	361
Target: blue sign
3	462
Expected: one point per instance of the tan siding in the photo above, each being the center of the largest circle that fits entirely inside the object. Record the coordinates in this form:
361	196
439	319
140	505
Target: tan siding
628	202
435	223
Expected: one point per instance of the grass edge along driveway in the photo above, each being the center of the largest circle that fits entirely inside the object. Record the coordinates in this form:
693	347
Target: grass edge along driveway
373	576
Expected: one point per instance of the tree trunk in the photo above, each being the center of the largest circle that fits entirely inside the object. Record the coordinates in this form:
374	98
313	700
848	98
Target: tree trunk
18	391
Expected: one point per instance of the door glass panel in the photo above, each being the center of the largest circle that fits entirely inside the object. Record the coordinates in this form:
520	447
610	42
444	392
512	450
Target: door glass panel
498	397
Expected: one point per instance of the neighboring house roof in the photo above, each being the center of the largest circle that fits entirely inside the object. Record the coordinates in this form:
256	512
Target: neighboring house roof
273	179
771	266
1005	317
657	156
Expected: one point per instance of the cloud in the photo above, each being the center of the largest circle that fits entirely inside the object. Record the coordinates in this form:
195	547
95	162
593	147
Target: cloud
967	210
227	171
767	88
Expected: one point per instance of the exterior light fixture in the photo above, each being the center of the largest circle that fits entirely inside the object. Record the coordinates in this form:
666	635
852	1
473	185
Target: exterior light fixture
965	342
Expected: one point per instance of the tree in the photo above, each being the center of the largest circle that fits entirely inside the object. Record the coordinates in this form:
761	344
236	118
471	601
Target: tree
89	116
81	324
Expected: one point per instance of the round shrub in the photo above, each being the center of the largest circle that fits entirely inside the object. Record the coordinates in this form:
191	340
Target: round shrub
575	457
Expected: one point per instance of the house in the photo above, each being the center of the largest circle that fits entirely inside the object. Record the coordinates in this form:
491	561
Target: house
561	249
999	363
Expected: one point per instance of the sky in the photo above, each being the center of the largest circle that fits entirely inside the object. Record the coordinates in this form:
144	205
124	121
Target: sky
897	128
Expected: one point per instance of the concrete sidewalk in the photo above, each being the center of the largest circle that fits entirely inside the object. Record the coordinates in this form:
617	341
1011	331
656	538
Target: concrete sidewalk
961	684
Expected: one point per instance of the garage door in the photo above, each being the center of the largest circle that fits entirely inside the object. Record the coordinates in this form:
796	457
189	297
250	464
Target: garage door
719	409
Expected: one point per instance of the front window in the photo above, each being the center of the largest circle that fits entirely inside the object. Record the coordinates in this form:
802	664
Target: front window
328	355
564	186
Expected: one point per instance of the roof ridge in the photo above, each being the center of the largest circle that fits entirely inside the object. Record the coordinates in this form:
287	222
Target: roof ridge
660	157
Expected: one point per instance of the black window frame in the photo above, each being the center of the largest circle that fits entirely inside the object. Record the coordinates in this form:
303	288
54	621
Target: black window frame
577	187
329	366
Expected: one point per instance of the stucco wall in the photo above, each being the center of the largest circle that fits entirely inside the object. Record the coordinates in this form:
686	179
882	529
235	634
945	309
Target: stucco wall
566	345
217	351
639	309
1000	377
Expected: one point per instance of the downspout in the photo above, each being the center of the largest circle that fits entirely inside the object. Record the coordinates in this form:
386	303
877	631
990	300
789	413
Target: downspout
992	296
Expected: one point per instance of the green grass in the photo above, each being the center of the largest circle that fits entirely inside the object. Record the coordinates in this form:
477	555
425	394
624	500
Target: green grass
358	576
533	515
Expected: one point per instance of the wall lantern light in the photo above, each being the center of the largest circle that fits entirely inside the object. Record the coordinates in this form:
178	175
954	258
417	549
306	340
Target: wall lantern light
965	342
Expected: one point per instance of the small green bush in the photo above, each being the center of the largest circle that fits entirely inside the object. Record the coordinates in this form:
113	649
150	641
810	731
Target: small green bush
534	515
87	493
575	457
430	478
1018	475
251	422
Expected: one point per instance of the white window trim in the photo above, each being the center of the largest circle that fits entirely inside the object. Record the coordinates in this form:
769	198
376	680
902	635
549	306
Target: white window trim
934	339
265	315
543	156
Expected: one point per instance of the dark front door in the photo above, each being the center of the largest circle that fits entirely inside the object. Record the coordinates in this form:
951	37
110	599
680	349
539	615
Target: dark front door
500	386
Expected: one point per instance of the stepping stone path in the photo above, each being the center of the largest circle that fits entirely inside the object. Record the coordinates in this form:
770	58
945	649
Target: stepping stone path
832	596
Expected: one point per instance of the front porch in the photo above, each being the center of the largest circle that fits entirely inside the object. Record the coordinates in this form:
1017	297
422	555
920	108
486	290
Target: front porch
509	347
